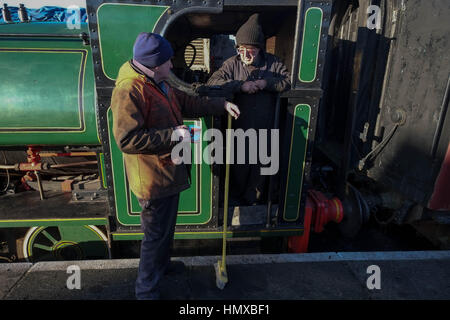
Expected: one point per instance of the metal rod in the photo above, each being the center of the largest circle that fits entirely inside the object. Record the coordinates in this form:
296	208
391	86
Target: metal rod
7	166
41	190
269	195
67	154
38	35
74	164
444	107
81	36
62	165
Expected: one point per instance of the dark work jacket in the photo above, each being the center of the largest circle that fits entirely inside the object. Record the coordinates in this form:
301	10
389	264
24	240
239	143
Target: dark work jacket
257	110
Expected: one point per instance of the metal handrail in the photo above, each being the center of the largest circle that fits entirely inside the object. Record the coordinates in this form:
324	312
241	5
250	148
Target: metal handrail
82	36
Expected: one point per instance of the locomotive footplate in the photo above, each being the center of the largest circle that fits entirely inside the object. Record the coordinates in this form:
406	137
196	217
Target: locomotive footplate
27	209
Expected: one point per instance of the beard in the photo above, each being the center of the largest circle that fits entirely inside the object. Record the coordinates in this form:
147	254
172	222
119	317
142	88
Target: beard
248	60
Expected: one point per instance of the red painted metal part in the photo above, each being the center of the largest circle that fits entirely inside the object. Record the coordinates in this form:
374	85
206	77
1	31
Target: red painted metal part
33	160
440	200
326	210
33	155
319	211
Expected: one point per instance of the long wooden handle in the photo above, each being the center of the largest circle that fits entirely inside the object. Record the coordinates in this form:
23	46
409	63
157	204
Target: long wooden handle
227	182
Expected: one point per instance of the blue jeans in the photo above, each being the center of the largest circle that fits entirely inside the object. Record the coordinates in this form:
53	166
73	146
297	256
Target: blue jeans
158	218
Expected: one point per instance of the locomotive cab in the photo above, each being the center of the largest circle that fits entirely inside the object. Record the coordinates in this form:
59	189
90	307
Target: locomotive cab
202	43
201	34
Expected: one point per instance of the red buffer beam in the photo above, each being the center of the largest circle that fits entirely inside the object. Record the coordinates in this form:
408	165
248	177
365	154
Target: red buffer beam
319	211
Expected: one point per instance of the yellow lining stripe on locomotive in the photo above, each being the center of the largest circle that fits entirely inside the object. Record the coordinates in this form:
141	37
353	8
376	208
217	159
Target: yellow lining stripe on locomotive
119	234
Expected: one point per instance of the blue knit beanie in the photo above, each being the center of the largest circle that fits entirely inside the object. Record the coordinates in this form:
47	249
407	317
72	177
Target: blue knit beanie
151	49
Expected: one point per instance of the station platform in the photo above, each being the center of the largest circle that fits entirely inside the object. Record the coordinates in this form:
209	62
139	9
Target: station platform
405	275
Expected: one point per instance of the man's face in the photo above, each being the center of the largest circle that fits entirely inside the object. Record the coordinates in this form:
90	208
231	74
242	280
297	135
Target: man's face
162	72
248	53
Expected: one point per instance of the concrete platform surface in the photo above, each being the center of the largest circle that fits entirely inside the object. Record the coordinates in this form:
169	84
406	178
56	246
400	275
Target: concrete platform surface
423	275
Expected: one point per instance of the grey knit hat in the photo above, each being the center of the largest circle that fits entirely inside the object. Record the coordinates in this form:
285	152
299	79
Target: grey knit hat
251	33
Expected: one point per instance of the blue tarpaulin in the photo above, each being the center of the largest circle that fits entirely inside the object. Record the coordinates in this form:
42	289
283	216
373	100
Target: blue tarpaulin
47	14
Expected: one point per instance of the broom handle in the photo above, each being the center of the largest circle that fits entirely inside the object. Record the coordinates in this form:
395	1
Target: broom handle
225	200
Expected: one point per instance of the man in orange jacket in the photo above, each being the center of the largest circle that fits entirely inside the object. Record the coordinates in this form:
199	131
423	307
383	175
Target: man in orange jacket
147	114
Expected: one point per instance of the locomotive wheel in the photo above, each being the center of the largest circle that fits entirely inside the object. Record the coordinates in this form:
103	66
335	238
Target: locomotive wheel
64	243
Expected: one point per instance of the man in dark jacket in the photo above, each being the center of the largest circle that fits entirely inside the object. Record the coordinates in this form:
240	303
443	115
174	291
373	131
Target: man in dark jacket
147	116
255	78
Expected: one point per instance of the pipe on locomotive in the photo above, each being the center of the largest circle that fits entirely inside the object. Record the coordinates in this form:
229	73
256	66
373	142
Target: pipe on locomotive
42	166
35	166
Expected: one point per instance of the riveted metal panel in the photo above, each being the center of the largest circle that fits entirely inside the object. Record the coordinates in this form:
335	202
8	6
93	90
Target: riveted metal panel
112	46
313	21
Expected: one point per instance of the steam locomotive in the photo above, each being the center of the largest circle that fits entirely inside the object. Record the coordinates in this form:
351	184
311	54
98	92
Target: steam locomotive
364	129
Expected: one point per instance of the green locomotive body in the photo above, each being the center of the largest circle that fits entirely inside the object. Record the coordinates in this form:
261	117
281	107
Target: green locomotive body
48	90
56	85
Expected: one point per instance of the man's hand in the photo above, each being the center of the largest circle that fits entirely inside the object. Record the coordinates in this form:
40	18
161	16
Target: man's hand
261	84
249	87
232	109
182	133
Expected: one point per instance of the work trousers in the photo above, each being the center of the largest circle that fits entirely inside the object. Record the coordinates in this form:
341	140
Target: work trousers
246	180
158	218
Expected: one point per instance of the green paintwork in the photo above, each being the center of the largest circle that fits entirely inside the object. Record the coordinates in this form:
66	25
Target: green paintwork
46	88
51	222
66	243
52	114
117	31
297	154
42	27
39	90
216	234
310	45
195	206
103	172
